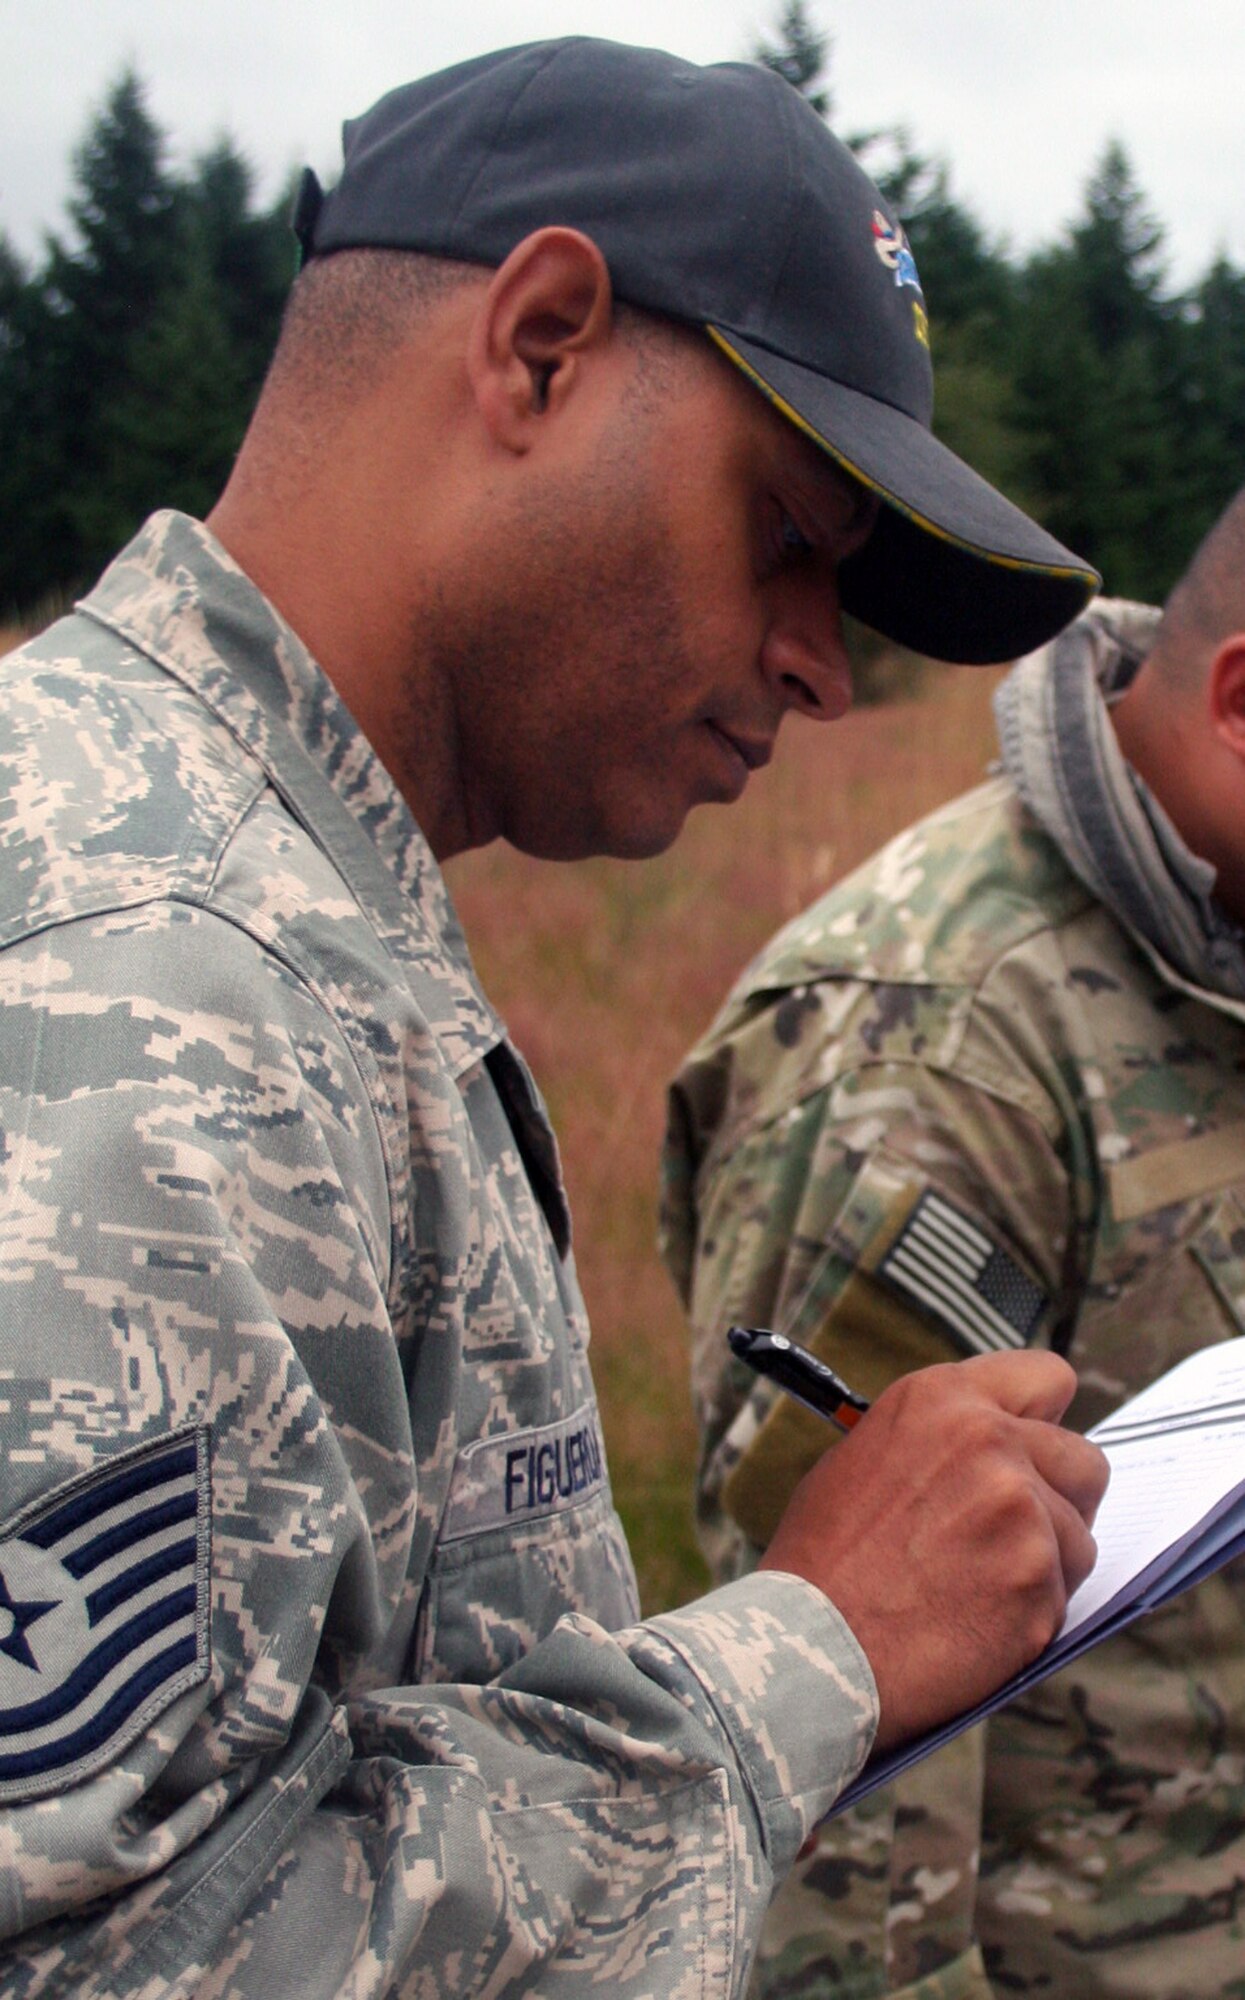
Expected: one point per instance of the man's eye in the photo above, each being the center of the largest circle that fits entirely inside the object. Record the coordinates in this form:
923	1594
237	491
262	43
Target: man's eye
793	542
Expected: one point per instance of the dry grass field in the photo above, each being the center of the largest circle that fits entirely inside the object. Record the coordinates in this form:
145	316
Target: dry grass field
606	971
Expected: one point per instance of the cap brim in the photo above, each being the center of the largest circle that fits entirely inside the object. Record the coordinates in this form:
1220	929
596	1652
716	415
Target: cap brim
952	569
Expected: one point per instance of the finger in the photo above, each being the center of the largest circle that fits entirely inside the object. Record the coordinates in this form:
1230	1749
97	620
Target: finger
1070	1464
1031	1383
1078	1551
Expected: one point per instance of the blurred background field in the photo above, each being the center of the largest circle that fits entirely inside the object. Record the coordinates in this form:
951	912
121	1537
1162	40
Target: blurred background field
607	971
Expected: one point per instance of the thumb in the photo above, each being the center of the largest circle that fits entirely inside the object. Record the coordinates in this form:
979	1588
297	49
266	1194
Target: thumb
1028	1384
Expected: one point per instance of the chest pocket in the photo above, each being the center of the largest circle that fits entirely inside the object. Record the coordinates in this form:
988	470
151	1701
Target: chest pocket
1164	1284
529	1533
527	1530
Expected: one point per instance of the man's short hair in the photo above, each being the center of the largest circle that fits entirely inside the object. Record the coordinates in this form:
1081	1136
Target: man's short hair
1207	605
347	316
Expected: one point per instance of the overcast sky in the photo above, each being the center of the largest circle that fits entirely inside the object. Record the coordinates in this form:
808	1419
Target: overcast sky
1019	97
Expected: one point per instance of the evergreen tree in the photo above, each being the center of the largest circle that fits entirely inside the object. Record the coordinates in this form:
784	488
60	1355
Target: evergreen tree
1212	399
799	55
1097	363
30	464
100	291
168	436
252	258
1117	247
129	363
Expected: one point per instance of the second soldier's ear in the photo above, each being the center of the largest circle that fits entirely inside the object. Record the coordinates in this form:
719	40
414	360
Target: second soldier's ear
547	311
1226	689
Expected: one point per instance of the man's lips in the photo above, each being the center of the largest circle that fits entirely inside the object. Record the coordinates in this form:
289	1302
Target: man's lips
755	751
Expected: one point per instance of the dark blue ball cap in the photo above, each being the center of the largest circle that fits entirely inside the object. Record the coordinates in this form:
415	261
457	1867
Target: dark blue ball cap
718	197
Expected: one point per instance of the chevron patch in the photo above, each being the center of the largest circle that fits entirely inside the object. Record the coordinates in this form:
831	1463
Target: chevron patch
103	1613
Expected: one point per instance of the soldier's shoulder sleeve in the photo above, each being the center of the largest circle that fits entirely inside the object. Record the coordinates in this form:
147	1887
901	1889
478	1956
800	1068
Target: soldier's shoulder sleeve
195	1254
880	1170
940	903
938	939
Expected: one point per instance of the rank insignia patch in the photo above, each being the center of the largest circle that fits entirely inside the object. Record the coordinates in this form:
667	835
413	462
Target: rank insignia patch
103	1612
944	1261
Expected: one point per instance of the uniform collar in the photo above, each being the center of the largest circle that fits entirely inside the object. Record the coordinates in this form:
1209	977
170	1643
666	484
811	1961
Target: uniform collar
180	598
1060	751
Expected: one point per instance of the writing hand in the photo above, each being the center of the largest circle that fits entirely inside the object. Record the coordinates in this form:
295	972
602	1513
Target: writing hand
949	1528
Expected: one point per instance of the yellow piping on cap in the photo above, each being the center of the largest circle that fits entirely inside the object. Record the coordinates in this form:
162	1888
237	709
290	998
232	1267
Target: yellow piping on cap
1088	576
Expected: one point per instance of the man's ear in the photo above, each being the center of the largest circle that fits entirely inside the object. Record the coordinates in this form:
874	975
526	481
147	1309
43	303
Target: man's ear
546	310
1226	693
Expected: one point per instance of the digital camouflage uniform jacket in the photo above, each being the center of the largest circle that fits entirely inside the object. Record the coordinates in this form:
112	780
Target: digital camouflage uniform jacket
952	1107
319	1665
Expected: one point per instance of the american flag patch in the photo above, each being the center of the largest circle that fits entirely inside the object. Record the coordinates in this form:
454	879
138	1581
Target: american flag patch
103	1613
951	1268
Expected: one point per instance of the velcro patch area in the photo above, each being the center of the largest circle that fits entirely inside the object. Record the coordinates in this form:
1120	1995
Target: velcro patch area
103	1612
946	1263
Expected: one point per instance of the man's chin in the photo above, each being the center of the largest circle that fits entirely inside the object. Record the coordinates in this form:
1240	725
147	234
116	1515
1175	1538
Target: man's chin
619	837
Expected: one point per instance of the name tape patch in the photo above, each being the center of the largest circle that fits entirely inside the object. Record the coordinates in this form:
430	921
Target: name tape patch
103	1612
947	1264
521	1475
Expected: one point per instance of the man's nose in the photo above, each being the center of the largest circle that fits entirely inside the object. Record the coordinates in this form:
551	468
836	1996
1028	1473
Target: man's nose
805	656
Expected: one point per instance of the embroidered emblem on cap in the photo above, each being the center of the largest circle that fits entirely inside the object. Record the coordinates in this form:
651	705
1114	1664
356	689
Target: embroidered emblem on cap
951	1268
892	247
103	1612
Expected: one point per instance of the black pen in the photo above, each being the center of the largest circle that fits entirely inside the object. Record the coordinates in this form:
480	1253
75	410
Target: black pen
800	1373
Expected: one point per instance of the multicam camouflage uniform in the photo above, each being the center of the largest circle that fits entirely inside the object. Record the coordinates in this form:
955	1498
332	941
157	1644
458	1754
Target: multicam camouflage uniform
957	1106
319	1669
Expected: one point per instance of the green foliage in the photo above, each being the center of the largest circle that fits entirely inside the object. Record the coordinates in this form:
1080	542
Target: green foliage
799	55
129	361
975	411
170	428
1096	361
1108	405
1210	402
33	527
